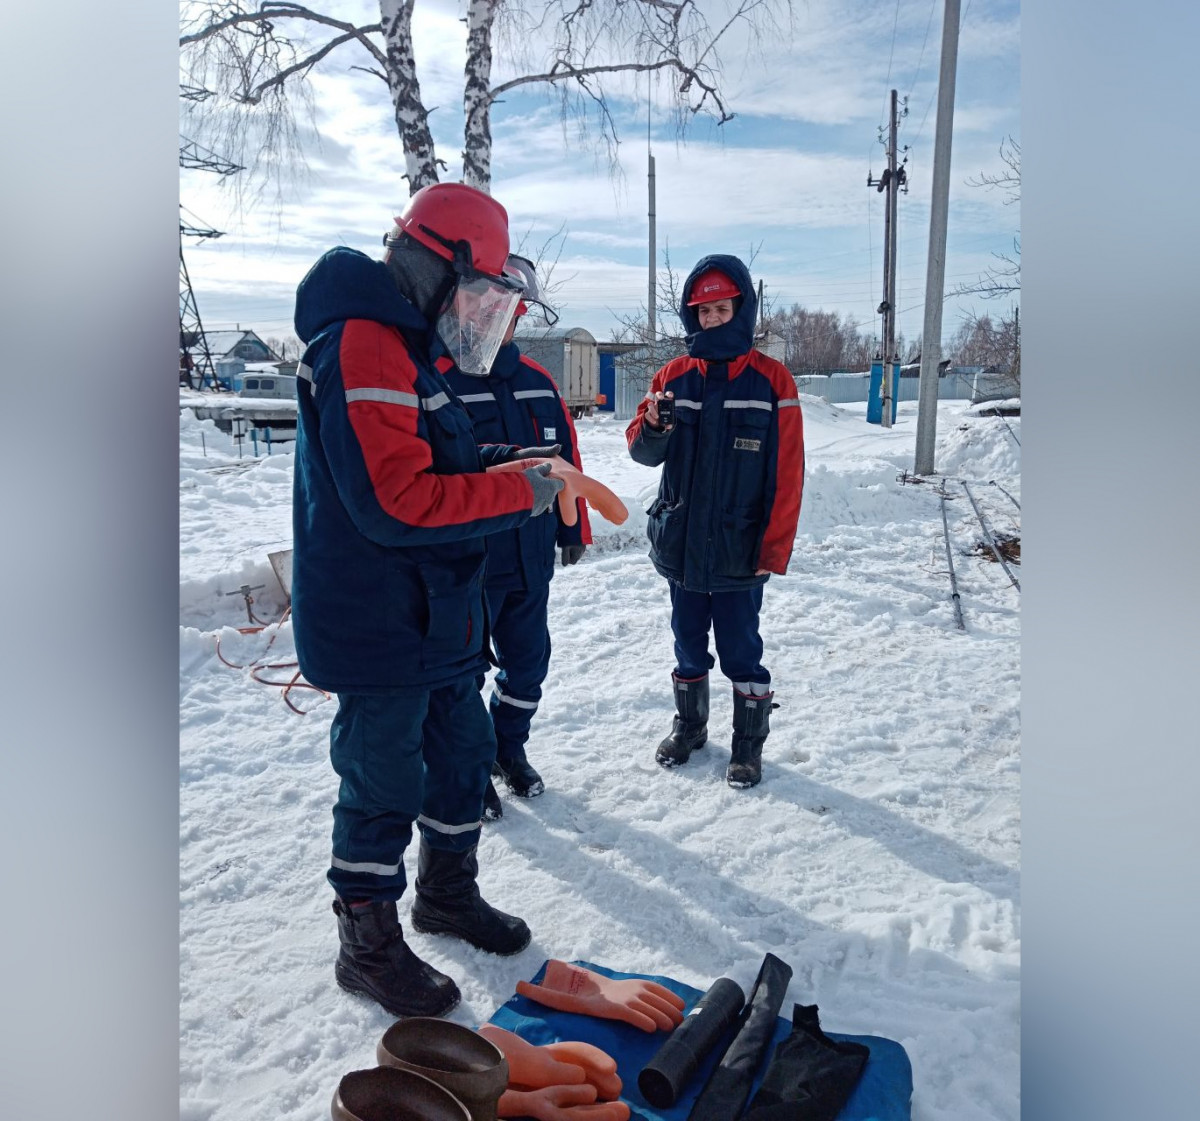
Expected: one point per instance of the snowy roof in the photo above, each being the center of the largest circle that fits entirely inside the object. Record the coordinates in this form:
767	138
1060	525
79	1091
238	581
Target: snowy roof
221	344
563	333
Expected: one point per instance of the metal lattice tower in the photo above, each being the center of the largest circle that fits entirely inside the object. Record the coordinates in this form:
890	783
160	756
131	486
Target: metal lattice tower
196	367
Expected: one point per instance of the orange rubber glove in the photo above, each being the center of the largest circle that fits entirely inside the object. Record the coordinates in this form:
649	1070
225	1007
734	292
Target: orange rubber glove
560	1103
576	485
571	988
569	1063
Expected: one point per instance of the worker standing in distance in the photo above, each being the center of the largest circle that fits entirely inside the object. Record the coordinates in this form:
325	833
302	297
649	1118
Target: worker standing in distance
724	421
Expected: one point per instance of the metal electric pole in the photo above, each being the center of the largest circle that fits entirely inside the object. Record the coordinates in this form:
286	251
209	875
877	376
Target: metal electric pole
892	180
652	294
935	273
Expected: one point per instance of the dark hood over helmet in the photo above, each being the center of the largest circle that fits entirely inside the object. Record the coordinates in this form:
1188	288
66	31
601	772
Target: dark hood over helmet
732	338
347	284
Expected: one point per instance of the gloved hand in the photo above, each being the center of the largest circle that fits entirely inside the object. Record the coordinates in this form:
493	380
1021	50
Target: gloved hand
571	988
535	453
560	1103
545	487
568	1063
572	554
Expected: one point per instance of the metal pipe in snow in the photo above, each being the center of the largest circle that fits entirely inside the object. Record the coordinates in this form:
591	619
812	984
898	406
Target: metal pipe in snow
987	536
958	615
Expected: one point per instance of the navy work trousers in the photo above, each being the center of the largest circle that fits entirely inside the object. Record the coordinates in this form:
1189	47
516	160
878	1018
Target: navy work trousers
733	617
521	638
420	755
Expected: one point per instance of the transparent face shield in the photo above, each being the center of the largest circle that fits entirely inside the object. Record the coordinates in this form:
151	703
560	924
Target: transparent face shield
532	303
473	325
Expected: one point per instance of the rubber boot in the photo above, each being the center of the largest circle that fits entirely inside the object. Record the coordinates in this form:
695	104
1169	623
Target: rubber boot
751	725
518	775
689	731
458	1059
375	961
448	902
385	1093
493	808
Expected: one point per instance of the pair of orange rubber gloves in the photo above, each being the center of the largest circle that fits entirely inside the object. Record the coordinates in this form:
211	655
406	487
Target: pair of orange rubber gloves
574	1081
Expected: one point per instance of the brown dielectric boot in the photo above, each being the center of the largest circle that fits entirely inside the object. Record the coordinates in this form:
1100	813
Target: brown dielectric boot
385	1094
458	1059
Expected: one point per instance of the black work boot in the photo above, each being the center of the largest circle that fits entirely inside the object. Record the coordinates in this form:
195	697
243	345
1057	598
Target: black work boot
751	725
689	731
375	961
493	808
519	776
448	902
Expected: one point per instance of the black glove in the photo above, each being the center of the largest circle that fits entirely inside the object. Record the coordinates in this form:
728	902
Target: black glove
572	554
535	453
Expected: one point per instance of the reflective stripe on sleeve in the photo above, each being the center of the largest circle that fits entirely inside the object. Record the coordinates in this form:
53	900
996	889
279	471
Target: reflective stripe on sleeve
434	402
387	396
523	394
473	398
784	402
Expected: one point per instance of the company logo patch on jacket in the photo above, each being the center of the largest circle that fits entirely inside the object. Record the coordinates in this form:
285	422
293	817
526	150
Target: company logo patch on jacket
745	444
550	433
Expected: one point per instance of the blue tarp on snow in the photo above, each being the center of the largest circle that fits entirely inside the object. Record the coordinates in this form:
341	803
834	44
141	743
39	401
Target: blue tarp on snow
883	1093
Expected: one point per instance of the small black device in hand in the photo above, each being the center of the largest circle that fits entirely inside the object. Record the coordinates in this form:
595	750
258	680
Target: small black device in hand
666	412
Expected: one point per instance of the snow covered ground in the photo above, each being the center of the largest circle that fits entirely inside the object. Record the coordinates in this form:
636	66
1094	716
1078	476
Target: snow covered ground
879	857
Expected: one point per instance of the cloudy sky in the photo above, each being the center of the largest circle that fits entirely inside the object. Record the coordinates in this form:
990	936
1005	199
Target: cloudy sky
785	179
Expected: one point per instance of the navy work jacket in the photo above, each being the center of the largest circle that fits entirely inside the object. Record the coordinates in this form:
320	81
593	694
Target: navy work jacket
519	404
733	464
391	504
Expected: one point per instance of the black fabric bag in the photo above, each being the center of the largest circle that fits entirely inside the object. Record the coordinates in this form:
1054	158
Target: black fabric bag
725	1093
810	1077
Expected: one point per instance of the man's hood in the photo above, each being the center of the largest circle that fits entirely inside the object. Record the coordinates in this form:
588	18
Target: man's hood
732	338
347	284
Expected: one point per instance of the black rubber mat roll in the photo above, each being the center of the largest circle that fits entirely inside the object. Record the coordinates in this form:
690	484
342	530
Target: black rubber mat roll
664	1077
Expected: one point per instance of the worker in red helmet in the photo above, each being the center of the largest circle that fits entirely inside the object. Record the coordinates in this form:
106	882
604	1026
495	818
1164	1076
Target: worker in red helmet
731	446
519	403
391	507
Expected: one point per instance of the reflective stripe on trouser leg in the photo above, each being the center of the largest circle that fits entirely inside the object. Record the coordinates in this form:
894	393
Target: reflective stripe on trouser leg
459	749
691	617
375	749
521	637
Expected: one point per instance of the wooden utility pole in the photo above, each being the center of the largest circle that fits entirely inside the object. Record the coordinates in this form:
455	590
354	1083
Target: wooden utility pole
891	181
935	272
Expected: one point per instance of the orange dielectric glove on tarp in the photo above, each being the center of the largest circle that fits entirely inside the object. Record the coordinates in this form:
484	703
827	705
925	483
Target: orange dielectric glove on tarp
569	1063
560	1103
571	988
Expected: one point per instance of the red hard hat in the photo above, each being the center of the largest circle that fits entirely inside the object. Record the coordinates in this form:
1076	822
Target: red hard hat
445	217
710	285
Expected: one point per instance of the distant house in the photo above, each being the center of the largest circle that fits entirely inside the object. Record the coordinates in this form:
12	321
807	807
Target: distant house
232	350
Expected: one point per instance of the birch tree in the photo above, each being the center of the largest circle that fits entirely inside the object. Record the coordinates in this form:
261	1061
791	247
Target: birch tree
257	60
1004	278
